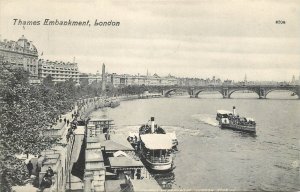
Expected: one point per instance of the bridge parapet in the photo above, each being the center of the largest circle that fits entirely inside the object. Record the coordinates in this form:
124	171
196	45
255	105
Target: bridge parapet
261	90
226	90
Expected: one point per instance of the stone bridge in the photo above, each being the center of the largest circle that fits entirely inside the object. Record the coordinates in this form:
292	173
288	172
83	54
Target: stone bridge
226	90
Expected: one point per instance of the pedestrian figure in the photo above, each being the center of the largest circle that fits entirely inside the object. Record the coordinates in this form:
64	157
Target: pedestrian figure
65	120
29	167
27	154
37	169
68	122
72	115
49	172
108	135
46	182
105	135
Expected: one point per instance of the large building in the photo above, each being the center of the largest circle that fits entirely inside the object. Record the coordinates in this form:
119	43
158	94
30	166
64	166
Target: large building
59	71
148	80
90	78
21	53
199	82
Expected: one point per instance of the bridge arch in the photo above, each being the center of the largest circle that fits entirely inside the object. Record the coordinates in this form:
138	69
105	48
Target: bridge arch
206	90
280	89
235	90
166	93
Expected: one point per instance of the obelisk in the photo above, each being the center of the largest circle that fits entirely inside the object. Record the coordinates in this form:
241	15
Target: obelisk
103	78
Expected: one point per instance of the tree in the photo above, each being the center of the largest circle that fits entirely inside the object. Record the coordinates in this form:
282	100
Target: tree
26	111
48	81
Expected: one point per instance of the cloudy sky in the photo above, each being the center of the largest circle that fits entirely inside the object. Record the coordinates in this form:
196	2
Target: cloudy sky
226	39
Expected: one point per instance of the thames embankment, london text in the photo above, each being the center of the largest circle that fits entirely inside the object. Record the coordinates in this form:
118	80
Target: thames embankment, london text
68	22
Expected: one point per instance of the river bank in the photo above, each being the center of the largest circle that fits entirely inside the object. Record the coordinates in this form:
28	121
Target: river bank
88	105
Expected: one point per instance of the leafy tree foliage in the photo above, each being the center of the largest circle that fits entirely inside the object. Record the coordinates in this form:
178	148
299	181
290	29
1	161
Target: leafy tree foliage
26	111
48	81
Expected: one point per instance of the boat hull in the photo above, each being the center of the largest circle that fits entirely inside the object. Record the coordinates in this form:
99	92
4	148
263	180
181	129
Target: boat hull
249	129
159	166
114	104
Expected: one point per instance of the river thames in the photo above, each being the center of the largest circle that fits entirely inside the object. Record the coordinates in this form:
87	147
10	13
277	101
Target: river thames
212	158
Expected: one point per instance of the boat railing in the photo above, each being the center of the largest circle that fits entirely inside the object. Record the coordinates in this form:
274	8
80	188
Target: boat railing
243	123
159	159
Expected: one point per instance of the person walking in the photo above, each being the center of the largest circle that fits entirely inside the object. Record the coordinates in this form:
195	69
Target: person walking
37	169
68	122
29	168
65	120
27	154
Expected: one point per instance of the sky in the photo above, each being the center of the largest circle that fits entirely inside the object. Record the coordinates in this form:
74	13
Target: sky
204	38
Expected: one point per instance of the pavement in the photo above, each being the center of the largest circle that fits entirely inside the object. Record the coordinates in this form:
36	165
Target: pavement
68	116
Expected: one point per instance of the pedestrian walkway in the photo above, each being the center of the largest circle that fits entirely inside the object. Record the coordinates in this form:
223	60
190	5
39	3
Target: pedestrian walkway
73	182
60	129
68	116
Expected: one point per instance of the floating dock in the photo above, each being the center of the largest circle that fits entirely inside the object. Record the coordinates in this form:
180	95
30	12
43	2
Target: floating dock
111	163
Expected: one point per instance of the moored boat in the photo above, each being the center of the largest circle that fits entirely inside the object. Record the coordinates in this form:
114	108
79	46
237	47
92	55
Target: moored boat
155	146
156	151
114	103
155	129
230	120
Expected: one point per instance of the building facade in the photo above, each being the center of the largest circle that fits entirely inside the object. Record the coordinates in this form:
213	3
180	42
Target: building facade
21	53
118	80
59	71
90	78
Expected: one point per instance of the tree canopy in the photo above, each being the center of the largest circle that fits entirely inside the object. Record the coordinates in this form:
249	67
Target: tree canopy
26	111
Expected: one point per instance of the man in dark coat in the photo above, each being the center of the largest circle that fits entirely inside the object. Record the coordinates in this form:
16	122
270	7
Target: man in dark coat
49	172
29	168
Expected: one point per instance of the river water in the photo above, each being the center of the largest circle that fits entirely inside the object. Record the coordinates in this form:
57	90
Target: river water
212	158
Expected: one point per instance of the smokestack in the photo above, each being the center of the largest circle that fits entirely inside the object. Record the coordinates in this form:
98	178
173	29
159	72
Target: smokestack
152	124
234	112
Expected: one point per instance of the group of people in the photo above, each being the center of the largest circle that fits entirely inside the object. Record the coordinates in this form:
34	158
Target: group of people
240	120
47	179
107	135
29	166
73	126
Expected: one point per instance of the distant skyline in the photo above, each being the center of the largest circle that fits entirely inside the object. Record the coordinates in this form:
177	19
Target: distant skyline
198	39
